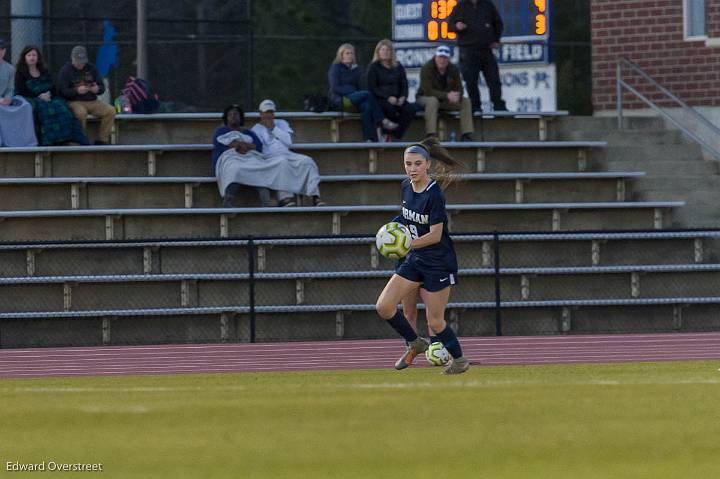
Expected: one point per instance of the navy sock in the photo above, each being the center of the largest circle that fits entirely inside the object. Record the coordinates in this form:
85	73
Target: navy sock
450	341
401	325
434	339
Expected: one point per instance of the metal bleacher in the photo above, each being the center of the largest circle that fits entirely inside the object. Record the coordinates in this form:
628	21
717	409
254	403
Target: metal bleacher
167	159
128	243
82	192
188	126
156	293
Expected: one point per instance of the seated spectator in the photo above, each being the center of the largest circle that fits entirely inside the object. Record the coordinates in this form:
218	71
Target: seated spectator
80	84
388	82
344	77
441	89
56	124
276	137
233	120
16	117
238	158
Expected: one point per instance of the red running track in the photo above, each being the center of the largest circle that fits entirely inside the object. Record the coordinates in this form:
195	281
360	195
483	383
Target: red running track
367	354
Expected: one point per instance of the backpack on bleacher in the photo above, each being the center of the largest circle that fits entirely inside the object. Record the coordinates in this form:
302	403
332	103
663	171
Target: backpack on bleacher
141	96
315	103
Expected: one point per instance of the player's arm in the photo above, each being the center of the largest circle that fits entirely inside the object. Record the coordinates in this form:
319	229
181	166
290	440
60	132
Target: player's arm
434	236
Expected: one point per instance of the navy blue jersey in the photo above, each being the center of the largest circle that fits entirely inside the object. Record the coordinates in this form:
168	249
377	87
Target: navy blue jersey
419	212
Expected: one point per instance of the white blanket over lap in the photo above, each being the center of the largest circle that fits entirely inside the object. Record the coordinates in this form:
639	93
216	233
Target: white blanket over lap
281	172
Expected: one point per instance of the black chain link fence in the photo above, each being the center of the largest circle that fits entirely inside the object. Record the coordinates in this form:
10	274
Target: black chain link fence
199	56
325	288
205	55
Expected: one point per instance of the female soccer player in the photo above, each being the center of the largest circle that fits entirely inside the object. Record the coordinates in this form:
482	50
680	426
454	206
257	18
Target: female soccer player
431	264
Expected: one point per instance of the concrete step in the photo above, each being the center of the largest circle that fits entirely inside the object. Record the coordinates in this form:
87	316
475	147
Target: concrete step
78	295
655	153
620	138
588	126
310	128
202	192
355	325
647	137
700	216
215	223
698	199
363	324
360	254
347	158
680	182
591	319
606	252
491	159
664	168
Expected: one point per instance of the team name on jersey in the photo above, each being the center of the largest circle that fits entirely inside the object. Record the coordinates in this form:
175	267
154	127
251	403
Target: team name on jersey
414	217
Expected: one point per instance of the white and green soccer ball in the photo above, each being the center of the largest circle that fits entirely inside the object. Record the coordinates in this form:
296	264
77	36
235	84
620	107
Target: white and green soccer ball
393	240
437	355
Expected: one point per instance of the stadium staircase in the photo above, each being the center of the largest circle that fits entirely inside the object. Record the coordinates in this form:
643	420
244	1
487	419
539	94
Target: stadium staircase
128	243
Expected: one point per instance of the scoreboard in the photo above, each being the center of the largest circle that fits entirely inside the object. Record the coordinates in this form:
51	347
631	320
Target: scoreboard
527	73
524	20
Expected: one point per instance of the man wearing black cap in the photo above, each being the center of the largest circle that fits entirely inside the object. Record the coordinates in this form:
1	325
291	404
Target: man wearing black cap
16	115
478	26
80	84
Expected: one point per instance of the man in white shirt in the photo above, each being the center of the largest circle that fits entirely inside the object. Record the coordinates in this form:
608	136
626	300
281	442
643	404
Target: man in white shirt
276	136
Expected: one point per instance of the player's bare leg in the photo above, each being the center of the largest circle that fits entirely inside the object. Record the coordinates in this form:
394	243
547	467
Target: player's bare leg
410	310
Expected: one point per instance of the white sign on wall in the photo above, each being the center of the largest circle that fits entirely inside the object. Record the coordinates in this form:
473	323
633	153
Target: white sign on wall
525	88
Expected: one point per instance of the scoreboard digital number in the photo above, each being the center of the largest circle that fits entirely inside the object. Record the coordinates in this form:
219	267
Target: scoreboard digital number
524	20
437	25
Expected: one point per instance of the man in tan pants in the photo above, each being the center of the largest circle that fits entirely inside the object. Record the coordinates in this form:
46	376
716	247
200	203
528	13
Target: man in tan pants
441	89
80	84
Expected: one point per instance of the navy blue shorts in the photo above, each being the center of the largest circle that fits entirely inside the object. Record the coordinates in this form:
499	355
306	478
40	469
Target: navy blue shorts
431	278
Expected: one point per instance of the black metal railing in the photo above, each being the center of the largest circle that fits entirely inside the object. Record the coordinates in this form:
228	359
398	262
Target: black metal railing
269	289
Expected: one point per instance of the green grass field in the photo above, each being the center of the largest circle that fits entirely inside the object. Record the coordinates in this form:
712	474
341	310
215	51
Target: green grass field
651	420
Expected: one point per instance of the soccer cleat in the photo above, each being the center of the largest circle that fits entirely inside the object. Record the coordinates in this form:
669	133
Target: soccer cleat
416	347
457	366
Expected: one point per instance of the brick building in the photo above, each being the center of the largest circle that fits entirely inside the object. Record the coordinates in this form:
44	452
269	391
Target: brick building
677	42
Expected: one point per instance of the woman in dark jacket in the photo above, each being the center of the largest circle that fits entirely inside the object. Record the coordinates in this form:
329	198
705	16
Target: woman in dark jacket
388	83
56	123
344	77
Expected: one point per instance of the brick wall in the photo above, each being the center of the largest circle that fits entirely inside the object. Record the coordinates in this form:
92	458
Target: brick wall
650	33
713	25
